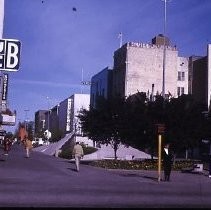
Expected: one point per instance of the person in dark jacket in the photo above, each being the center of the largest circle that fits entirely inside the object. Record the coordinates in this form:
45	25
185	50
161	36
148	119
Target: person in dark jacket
210	166
167	162
7	145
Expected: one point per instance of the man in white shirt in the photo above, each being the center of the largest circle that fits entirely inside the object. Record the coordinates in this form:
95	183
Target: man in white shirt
78	153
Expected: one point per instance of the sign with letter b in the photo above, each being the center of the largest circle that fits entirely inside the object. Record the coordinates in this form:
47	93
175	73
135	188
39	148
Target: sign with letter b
9	54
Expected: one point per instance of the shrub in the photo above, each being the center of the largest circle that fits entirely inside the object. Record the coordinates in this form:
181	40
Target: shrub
67	152
89	150
147	164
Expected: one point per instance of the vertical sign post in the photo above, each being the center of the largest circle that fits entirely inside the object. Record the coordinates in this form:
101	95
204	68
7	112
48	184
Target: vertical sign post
160	131
159	156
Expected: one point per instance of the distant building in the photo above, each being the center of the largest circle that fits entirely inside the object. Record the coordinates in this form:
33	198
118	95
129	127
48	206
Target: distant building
39	121
138	67
54	119
101	85
64	111
62	117
78	102
200	77
68	111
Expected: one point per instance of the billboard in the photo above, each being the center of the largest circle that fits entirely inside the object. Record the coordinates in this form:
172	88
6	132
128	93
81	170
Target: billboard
9	54
6	119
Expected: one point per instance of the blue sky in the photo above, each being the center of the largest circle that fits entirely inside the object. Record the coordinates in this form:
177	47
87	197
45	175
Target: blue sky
59	43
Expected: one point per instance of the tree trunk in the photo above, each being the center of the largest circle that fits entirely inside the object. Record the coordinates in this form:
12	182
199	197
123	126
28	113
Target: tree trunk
152	153
186	154
115	151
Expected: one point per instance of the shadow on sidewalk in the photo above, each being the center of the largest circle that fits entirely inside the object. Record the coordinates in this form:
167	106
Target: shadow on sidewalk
138	175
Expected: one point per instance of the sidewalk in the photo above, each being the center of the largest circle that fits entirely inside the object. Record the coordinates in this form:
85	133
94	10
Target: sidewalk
47	181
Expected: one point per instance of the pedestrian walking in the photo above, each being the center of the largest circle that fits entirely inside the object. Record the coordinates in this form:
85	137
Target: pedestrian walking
28	146
77	153
167	162
7	145
22	133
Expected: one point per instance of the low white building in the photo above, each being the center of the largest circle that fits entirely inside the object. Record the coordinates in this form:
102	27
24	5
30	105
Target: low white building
68	111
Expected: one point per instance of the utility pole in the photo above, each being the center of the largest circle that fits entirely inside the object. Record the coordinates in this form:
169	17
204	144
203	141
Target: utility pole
164	50
26	117
120	39
48	126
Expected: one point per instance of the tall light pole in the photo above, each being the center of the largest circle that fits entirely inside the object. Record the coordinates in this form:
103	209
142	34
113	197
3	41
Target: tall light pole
48	100
164	50
120	39
26	117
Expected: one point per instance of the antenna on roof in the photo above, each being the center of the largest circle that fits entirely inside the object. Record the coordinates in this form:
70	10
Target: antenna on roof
120	39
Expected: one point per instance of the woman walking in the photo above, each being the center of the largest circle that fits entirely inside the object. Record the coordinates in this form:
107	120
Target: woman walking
28	146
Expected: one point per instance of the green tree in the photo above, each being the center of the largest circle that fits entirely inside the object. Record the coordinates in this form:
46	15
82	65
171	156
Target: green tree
184	122
103	123
134	121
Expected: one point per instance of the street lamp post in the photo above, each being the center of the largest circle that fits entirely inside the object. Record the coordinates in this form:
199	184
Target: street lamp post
26	117
48	127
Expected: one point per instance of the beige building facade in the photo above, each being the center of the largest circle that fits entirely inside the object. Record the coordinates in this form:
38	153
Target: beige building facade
138	67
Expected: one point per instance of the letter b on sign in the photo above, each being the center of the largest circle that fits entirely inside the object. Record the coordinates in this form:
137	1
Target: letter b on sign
9	54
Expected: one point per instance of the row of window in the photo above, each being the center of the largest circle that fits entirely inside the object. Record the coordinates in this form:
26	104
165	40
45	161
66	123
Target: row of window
180	91
181	76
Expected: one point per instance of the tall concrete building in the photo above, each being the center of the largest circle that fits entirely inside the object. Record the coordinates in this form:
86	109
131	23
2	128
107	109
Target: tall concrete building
200	77
64	111
1	18
79	102
39	121
64	116
101	85
138	67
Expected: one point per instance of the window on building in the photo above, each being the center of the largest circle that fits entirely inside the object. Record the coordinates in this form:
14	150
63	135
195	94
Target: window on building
181	76
180	91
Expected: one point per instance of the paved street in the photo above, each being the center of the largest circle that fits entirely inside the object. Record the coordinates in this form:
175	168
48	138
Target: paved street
47	181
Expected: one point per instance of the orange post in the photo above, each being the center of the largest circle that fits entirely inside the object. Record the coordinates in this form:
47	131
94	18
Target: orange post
159	156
